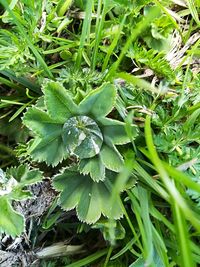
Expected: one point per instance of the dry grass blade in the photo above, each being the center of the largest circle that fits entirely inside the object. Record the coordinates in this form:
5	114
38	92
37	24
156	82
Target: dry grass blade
60	249
175	55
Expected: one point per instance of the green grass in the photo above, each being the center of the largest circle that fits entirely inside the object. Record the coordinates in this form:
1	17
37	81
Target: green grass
83	44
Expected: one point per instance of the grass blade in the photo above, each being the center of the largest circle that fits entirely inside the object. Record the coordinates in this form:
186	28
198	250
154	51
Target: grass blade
184	241
138	82
85	32
99	24
28	41
170	186
11	84
21	80
141	26
192	7
182	178
113	45
89	259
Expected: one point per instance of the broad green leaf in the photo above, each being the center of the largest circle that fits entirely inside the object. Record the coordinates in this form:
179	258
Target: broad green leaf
12	185
18	194
24	175
50	149
40	123
71	184
91	199
11	222
17	178
82	137
111	158
59	104
108	122
7	185
93	167
48	145
117	134
115	131
99	102
89	208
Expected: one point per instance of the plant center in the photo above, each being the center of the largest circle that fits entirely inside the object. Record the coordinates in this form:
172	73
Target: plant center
82	137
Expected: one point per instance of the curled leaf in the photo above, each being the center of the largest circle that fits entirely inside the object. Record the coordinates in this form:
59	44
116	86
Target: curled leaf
82	137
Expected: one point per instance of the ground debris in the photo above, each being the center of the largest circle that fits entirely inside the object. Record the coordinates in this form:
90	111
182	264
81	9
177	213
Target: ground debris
16	259
16	252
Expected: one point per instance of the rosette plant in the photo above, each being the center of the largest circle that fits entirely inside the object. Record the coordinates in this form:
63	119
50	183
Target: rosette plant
64	129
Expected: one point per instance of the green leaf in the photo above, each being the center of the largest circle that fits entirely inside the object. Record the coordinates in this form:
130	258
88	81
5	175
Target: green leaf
157	261
24	175
48	145
105	225
94	167
40	123
15	179
11	222
99	102
138	263
50	149
18	177
116	132
62	7
59	104
82	137
122	2
90	199
11	188
18	194
90	205
111	158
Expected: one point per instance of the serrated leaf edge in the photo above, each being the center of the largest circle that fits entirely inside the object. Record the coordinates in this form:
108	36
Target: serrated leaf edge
24	222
